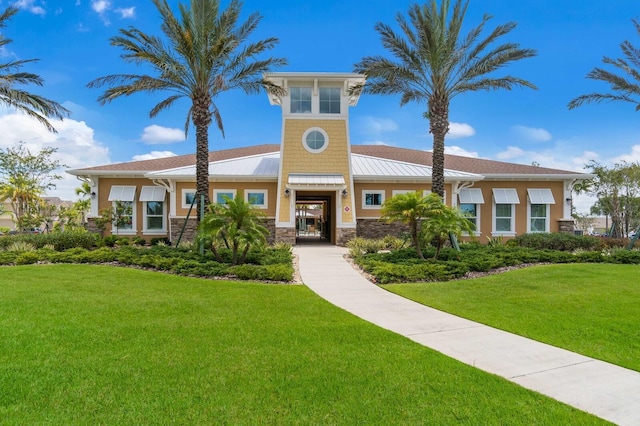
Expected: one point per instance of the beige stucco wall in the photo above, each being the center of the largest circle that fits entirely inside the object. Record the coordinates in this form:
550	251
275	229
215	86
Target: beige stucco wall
240	187
388	189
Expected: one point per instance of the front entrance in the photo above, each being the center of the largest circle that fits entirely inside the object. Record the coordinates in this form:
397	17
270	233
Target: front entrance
315	217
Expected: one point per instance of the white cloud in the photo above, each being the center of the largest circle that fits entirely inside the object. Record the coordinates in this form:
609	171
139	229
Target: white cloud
377	126
75	141
532	134
102	7
456	150
126	12
511	153
30	6
153	155
460	130
630	157
158	135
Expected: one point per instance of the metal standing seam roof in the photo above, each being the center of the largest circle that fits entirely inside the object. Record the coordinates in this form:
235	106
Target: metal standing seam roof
376	167
262	165
267	166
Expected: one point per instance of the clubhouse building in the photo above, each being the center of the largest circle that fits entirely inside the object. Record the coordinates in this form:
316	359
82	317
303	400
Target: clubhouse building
316	185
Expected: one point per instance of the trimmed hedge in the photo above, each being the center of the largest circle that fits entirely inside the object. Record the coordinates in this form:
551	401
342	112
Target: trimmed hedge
271	264
404	266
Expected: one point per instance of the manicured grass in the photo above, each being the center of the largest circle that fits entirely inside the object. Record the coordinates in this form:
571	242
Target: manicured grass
83	344
592	309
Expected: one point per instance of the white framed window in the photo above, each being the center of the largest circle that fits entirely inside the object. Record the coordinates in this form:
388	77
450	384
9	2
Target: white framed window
188	197
315	140
329	100
256	197
539	208
470	200
372	199
123	218
220	195
123	208
300	100
504	210
154	217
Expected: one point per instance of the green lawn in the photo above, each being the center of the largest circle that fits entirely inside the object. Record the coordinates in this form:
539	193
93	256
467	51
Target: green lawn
592	309
83	344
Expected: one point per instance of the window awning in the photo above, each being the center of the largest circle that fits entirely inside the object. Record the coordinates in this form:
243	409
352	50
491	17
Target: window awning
316	180
152	193
471	196
541	196
505	196
122	193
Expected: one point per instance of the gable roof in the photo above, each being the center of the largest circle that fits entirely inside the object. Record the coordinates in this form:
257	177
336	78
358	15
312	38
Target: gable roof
411	157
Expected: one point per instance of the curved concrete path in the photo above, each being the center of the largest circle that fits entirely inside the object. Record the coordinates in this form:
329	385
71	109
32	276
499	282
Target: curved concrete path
600	388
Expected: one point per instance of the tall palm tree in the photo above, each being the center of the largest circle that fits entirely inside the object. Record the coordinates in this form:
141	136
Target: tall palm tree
625	85
204	53
433	63
10	76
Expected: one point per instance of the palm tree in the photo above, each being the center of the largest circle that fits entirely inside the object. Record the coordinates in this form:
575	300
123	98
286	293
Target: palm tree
205	53
625	85
10	76
433	64
236	224
24	195
409	209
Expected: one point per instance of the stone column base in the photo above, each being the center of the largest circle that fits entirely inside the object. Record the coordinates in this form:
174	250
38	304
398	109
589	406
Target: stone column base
285	235
344	235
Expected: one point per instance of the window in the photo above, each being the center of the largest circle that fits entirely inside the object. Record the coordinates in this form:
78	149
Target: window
471	213
154	216
123	208
220	195
505	200
504	218
372	199
256	197
329	100
300	100
469	199
315	140
188	196
123	215
539	200
152	198
538	218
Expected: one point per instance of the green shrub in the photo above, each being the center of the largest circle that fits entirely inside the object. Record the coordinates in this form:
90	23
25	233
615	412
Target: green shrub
110	240
27	258
559	241
139	241
123	241
21	247
8	257
262	273
160	241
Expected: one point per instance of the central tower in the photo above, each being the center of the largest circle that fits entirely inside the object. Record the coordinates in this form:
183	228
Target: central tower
315	151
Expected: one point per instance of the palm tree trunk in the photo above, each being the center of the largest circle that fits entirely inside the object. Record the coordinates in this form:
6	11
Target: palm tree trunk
438	126
201	121
416	240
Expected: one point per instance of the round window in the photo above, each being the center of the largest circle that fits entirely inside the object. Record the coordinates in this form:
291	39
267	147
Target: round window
315	140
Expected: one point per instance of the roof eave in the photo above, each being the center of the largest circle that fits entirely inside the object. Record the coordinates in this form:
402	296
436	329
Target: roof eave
537	176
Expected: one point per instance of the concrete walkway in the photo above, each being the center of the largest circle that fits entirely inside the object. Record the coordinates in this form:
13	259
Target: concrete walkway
600	388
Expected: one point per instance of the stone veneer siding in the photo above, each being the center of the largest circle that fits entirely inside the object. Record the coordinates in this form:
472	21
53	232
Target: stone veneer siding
344	235
285	235
374	228
566	225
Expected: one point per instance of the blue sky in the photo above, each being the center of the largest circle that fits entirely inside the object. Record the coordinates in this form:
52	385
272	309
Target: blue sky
71	40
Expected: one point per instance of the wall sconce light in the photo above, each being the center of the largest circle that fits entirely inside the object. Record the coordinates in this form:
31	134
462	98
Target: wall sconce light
569	200
93	195
344	193
287	192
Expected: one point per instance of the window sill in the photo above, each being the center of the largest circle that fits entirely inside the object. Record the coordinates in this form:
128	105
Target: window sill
154	232
503	234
